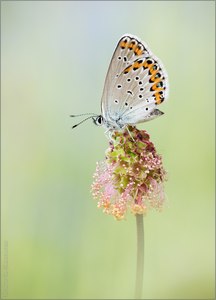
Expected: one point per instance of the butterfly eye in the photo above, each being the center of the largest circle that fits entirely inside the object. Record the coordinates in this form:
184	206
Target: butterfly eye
137	78
99	120
116	101
119	86
128	79
119	57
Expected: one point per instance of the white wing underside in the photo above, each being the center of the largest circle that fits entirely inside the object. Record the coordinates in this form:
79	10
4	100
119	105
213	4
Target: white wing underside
128	96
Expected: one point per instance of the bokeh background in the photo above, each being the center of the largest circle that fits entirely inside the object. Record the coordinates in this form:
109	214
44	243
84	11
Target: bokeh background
56	244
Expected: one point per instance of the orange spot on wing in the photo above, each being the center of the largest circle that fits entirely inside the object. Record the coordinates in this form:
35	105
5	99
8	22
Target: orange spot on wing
123	44
152	70
145	65
155	80
136	65
155	88
137	50
140	52
128	69
131	46
157	98
149	66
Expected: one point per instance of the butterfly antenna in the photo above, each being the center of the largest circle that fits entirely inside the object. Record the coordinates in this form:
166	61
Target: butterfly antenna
92	114
81	122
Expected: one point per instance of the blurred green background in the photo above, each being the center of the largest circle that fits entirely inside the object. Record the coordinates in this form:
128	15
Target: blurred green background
56	244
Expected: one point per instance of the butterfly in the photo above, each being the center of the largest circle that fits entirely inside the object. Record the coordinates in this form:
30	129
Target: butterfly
136	83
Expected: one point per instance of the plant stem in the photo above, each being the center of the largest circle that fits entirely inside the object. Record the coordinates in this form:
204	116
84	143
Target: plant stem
140	256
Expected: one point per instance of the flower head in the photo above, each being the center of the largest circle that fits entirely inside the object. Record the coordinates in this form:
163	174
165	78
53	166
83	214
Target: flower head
131	177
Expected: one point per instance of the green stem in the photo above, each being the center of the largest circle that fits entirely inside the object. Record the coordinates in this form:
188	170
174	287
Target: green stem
140	256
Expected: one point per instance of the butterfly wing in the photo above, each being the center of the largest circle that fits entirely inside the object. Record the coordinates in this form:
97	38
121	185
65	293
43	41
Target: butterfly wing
135	85
128	48
144	86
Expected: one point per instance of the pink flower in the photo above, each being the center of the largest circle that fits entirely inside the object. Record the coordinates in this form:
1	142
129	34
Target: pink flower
131	177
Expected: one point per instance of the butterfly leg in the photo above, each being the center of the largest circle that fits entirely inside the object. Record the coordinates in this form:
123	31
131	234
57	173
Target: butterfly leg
130	134
108	134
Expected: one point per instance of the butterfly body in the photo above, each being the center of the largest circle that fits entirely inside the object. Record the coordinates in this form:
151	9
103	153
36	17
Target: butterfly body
136	83
119	123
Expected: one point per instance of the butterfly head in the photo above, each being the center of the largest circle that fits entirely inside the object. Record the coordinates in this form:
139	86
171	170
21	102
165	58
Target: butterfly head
110	125
98	120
